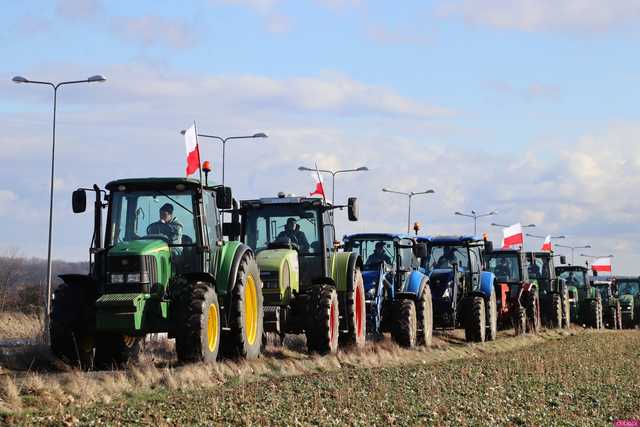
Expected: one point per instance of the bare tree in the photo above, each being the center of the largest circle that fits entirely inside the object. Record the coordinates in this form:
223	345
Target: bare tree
11	265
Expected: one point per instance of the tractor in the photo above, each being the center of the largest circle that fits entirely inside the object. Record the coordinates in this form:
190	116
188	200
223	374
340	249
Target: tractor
517	297
585	302
612	311
553	292
163	268
629	296
397	295
463	292
309	286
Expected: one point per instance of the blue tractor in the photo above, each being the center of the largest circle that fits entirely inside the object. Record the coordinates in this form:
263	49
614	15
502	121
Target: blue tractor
397	294
463	292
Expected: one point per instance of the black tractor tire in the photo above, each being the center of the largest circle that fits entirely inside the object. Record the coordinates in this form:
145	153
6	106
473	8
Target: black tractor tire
556	311
593	315
404	329
243	340
475	325
323	326
619	315
355	314
520	320
533	312
566	310
114	351
424	317
600	314
612	321
72	316
197	321
492	318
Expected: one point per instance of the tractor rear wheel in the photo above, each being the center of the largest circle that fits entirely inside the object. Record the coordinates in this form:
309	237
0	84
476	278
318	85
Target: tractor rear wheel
475	323
424	317
355	313
619	314
71	339
323	314
492	318
566	310
593	315
600	315
114	351
197	323
244	339
404	329
556	311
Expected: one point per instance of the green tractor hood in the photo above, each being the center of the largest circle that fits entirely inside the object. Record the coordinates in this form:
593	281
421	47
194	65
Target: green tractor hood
139	247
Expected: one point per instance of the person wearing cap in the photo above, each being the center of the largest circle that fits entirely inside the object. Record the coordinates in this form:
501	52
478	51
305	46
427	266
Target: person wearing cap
292	232
168	226
379	255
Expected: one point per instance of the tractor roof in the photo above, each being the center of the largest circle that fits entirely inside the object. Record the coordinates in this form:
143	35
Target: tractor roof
151	183
375	236
627	278
505	251
284	200
572	268
449	240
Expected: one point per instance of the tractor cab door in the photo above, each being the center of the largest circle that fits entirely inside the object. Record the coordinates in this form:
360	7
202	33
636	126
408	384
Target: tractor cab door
328	237
475	264
211	231
404	262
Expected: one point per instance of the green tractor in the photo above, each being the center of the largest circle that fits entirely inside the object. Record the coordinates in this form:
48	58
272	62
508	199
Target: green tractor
163	268
554	294
586	304
612	310
309	286
629	296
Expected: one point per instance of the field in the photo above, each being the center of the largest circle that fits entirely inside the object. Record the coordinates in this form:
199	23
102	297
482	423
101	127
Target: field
578	377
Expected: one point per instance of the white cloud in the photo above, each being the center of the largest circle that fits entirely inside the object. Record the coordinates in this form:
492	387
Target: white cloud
150	30
547	15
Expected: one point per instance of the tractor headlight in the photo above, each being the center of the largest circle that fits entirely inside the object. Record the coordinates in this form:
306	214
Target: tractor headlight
117	278
137	278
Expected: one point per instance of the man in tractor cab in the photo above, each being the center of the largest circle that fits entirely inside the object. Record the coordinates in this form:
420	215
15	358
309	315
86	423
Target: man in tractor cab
447	259
169	226
379	255
292	232
502	269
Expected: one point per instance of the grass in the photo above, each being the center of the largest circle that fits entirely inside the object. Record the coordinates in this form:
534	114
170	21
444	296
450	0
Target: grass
584	378
20	326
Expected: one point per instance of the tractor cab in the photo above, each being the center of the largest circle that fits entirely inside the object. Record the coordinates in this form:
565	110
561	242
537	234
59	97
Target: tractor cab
605	286
553	291
629	295
628	286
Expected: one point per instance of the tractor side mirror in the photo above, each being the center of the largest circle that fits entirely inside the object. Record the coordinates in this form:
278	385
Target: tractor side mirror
79	201
563	259
224	197
420	250
488	246
352	209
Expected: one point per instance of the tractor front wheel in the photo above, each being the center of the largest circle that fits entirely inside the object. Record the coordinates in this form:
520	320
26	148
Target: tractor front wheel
475	323
114	351
424	317
322	329
556	311
355	313
492	318
198	323
404	330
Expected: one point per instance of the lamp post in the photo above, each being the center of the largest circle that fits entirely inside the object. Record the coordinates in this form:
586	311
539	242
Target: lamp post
573	249
409	195
333	176
19	79
506	226
597	256
224	143
475	217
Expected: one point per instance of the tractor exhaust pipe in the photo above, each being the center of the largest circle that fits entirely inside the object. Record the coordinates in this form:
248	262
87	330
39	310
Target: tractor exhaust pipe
97	226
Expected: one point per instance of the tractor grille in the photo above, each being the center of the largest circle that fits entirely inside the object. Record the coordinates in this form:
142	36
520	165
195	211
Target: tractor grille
132	264
439	285
269	279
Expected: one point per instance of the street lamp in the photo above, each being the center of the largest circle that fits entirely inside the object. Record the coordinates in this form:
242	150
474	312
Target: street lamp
409	195
19	79
597	256
506	226
475	217
333	176
224	143
573	249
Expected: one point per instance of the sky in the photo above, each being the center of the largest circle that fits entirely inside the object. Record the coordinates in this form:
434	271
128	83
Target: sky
526	107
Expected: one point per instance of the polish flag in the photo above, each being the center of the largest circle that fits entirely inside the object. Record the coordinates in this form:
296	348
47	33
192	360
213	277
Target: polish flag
546	246
601	265
512	236
193	151
319	190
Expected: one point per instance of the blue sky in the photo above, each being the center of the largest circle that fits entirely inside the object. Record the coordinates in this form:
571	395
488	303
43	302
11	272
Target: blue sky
527	107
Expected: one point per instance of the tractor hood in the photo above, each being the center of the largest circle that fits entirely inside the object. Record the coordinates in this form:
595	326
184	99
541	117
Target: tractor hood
439	280
370	278
139	247
272	259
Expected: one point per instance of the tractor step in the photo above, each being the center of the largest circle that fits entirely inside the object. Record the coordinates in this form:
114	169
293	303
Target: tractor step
272	318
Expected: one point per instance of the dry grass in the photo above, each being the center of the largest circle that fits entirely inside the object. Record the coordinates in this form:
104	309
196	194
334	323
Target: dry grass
14	325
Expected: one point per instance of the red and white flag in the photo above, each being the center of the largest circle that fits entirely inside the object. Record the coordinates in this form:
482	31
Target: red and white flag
319	190
512	236
546	246
601	265
193	151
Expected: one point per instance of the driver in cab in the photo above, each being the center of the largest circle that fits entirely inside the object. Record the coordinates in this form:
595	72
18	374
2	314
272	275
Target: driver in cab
379	255
447	259
292	232
167	225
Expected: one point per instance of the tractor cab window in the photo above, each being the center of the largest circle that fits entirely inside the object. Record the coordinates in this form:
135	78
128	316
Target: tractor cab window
505	267
283	225
441	257
628	287
574	278
373	252
475	259
538	268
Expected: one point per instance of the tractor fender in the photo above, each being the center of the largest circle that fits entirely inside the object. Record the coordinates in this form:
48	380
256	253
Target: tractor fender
415	283
323	281
227	267
199	277
487	281
343	264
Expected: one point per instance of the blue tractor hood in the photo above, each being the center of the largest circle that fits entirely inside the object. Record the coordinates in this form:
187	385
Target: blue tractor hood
370	278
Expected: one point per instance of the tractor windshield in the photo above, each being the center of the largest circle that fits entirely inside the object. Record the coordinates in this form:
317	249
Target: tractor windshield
538	268
574	278
273	224
166	216
505	267
628	287
373	251
445	255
